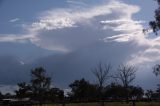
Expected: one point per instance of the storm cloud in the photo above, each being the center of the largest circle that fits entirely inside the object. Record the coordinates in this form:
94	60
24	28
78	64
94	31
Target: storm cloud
79	39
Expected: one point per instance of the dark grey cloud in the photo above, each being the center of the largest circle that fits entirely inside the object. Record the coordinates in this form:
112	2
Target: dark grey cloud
12	70
66	67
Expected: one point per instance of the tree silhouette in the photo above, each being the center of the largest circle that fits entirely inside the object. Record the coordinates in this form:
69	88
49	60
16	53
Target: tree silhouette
1	96
55	95
149	94
115	91
126	75
23	91
101	72
136	92
155	24
82	91
156	69
40	84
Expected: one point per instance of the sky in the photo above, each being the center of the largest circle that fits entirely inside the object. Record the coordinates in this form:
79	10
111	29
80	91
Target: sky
69	37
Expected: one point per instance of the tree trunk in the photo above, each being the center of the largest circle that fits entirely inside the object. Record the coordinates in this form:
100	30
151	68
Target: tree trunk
133	103
102	103
40	104
63	104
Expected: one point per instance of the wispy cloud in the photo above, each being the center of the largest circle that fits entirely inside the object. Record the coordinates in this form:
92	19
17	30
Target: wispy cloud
56	29
16	38
14	20
55	26
77	2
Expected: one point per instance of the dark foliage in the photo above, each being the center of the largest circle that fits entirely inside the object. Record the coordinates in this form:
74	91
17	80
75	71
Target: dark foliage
155	24
118	92
82	90
24	90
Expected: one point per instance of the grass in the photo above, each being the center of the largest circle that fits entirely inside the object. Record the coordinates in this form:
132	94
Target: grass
108	104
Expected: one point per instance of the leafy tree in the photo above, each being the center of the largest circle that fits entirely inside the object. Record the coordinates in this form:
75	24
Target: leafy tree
55	95
136	92
158	89
155	24
40	84
115	92
156	69
149	94
8	95
1	96
82	90
23	91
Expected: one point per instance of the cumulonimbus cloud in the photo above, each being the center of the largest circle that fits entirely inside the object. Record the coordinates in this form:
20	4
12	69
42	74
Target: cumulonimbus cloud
64	25
88	34
69	29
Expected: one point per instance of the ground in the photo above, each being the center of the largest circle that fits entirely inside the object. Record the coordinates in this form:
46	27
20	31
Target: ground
108	104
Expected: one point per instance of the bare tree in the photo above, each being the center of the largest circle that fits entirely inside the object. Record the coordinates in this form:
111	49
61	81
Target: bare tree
101	72
126	75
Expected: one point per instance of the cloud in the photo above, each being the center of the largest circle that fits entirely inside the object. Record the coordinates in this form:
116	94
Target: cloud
8	89
77	2
14	20
60	29
86	35
16	38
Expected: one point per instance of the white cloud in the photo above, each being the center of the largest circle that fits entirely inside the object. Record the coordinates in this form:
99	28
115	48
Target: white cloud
50	24
72	28
16	38
61	18
56	29
14	20
71	19
76	2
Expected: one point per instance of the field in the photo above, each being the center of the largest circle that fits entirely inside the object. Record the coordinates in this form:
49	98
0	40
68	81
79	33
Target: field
108	104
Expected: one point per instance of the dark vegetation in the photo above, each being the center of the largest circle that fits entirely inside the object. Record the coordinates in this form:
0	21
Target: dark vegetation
39	91
155	24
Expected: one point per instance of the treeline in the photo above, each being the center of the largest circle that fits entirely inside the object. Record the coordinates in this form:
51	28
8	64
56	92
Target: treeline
84	91
39	89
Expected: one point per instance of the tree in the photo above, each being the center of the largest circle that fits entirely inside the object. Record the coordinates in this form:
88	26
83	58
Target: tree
126	75
40	84
136	92
158	90
101	72
1	96
115	91
149	94
23	91
155	24
55	95
156	69
82	90
118	92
